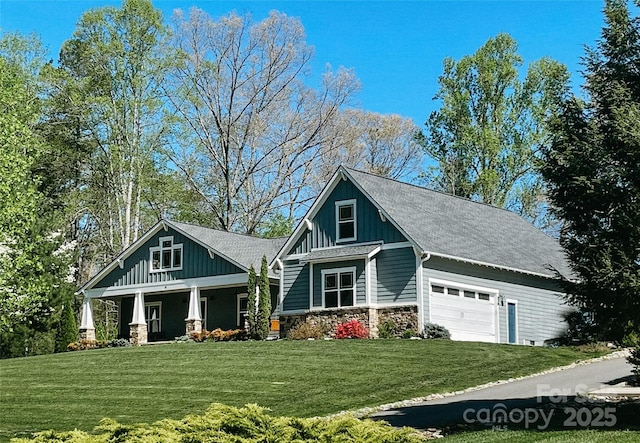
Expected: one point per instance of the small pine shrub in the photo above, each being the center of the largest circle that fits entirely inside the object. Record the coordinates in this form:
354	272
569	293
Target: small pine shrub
351	329
305	331
387	329
433	331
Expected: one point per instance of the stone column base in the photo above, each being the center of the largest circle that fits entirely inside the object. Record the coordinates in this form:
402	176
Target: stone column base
87	334
138	333
193	326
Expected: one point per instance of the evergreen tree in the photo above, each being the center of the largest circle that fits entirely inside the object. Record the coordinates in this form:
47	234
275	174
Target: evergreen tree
592	168
67	329
263	319
252	302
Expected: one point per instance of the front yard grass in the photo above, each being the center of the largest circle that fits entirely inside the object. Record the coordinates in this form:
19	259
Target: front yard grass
585	436
297	378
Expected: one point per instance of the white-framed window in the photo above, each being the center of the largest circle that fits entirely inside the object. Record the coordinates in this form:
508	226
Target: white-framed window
243	303
167	256
462	291
346	221
338	287
203	311
153	315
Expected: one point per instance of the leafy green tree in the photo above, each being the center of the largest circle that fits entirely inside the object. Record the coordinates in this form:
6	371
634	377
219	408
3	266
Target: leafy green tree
263	319
110	85
252	301
486	136
592	167
19	199
276	226
34	258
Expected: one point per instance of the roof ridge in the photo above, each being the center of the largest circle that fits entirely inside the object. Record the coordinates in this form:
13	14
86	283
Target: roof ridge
222	231
442	193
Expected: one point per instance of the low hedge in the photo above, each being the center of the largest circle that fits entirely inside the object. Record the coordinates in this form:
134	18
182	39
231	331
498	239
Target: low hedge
250	424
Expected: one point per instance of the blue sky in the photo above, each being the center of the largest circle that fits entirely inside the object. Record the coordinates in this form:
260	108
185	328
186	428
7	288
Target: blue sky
395	47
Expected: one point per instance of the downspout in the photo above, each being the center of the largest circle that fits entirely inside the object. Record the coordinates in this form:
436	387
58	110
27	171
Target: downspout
423	257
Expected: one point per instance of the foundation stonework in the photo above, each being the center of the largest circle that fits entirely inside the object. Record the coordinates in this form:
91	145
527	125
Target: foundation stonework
138	334
193	326
87	334
404	317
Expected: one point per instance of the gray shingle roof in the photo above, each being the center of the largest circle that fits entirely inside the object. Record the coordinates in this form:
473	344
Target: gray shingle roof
243	249
341	252
452	226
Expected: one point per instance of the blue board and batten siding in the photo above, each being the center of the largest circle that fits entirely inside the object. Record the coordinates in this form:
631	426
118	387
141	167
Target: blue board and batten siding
196	262
370	226
395	272
539	305
296	284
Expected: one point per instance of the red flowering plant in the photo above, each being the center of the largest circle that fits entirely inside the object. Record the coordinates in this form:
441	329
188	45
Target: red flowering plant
351	329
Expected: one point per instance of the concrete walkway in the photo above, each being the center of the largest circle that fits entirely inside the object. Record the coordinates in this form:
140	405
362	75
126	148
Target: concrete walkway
518	397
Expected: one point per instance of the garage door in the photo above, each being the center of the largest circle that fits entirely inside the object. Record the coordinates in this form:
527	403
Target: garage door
469	315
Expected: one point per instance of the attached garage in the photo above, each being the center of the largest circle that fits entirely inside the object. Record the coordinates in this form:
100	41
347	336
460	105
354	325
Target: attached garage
469	313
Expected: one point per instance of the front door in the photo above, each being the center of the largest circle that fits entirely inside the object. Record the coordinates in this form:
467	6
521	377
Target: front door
512	323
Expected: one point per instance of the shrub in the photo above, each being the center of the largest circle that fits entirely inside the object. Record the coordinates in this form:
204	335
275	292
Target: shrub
219	335
118	343
305	331
226	424
581	328
83	345
351	329
387	329
408	333
632	339
433	331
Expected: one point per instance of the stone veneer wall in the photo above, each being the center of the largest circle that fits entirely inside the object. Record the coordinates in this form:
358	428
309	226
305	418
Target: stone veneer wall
138	334
405	317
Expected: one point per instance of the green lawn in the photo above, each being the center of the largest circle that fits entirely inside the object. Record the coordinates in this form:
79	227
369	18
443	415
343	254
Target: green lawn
76	390
545	437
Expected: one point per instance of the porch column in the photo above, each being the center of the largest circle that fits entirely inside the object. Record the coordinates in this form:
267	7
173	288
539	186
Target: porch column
194	318
138	325
87	329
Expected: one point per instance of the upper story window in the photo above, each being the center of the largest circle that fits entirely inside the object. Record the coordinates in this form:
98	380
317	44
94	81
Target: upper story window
167	256
346	220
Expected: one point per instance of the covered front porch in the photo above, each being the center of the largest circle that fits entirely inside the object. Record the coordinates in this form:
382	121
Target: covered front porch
151	313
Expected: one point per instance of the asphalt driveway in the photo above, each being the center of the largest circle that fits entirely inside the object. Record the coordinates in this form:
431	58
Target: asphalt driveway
532	403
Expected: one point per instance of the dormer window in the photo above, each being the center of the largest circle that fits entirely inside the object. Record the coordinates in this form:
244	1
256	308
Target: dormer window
167	256
346	220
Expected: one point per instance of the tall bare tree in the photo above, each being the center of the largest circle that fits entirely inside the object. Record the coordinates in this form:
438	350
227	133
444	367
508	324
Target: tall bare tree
111	77
248	128
384	144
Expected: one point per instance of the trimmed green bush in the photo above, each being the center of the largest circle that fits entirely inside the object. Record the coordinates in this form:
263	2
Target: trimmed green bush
250	424
433	331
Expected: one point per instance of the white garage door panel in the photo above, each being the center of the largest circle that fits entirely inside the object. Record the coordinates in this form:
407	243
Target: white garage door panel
466	319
